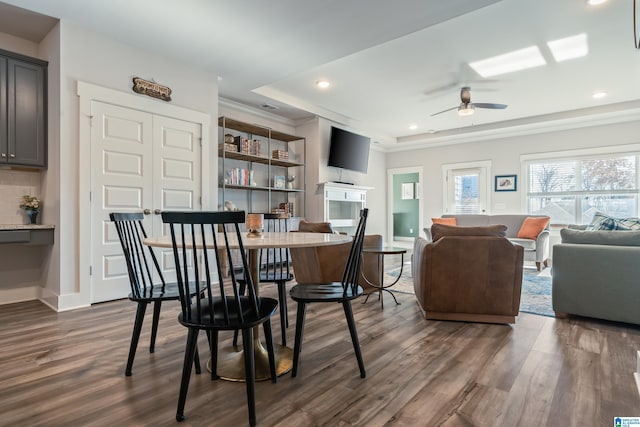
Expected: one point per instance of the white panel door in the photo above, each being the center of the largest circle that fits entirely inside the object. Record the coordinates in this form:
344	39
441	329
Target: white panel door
140	162
176	175
121	169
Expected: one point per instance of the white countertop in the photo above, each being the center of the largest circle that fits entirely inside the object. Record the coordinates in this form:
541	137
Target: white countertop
26	226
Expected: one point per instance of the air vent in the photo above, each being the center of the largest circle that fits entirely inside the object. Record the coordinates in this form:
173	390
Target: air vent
268	107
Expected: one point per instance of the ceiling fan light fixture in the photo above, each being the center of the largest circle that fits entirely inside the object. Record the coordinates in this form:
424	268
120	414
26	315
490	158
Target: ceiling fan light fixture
466	110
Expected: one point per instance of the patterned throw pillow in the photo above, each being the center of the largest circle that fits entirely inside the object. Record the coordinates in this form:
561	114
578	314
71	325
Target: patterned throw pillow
598	218
602	221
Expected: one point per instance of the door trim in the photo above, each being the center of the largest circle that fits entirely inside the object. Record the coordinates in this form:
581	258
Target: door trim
88	93
390	173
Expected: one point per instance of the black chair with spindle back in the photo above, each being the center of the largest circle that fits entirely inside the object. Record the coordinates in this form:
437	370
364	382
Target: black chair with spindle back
198	249
275	267
340	292
142	265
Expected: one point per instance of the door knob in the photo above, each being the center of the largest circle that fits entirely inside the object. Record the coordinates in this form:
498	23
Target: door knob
157	212
147	211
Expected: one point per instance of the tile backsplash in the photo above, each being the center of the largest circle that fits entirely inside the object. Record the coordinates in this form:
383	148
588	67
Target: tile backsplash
14	185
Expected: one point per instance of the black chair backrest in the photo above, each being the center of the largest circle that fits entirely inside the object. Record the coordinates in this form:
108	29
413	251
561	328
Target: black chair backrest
141	261
197	248
351	274
274	262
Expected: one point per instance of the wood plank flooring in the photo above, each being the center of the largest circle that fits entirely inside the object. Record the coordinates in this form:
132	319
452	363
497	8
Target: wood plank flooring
67	369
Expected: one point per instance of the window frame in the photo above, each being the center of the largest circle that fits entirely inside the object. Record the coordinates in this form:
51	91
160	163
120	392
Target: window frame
580	155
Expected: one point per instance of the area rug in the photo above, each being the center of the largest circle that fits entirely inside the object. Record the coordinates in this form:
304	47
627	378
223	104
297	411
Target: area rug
535	297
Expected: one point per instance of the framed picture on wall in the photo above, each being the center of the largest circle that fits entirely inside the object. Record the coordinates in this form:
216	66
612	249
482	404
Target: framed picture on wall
407	190
506	182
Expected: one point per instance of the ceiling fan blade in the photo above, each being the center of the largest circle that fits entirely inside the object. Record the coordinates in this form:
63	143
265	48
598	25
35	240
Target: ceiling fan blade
444	111
490	105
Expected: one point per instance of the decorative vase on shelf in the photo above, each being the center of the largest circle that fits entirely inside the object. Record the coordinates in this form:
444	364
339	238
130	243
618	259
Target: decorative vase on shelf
33	216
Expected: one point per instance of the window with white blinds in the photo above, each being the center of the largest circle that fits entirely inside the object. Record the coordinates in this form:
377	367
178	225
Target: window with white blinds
570	191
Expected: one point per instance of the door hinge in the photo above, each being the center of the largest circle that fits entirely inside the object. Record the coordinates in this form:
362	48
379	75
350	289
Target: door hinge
90	196
90	270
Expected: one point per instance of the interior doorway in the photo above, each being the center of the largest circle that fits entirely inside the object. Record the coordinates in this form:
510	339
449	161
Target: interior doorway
405	206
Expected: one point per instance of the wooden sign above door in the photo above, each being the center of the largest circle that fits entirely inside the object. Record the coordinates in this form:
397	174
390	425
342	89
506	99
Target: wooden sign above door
152	89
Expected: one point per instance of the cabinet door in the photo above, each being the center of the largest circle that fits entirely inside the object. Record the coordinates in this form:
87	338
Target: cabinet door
26	118
4	154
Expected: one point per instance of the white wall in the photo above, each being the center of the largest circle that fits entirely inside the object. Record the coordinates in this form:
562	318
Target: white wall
318	133
74	54
505	155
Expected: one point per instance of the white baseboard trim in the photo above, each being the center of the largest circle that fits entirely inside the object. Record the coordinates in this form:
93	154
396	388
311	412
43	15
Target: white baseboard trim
26	293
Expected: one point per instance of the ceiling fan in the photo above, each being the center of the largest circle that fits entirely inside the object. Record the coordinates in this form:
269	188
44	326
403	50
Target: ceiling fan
467	108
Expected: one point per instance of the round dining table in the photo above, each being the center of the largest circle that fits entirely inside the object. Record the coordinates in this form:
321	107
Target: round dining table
231	360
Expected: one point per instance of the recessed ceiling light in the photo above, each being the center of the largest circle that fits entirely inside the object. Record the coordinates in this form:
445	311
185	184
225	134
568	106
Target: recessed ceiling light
413	127
323	84
595	2
513	61
569	47
599	95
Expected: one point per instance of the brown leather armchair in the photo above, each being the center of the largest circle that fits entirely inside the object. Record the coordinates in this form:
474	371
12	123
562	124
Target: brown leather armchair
468	274
326	263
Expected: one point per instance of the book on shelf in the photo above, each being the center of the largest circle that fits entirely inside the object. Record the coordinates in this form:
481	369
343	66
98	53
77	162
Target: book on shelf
239	176
278	181
247	146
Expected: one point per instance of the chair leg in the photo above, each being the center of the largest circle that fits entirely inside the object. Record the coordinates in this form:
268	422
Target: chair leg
213	349
196	362
135	336
268	336
284	318
242	286
297	347
250	373
348	312
154	325
189	353
538	265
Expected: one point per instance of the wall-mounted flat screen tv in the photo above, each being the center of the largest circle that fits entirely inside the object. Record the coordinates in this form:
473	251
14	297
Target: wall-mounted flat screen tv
348	150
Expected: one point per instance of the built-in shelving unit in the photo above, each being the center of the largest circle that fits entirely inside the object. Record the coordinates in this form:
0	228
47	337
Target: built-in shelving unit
253	175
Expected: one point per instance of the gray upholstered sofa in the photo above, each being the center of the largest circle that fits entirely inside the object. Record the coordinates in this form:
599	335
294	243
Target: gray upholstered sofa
534	250
596	274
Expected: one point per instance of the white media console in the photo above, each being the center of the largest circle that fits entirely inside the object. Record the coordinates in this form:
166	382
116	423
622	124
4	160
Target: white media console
342	205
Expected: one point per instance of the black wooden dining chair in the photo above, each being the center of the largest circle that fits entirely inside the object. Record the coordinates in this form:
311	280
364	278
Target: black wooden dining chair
142	265
197	250
341	292
275	267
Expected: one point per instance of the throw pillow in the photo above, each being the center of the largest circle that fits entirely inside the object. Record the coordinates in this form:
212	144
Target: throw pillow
440	230
532	227
445	221
602	221
597	220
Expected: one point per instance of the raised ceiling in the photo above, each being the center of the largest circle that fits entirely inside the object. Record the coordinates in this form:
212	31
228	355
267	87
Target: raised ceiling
391	64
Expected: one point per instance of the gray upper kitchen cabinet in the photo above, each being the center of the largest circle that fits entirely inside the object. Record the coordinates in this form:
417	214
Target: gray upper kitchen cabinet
23	110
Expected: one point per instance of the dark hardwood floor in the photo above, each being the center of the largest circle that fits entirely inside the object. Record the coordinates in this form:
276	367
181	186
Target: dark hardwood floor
67	369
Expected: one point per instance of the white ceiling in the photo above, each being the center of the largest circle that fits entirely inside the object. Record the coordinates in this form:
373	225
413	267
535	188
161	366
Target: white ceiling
391	64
